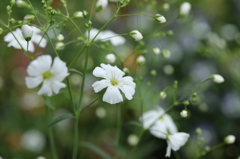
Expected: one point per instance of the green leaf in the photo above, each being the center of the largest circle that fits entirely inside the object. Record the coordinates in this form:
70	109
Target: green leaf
76	71
96	149
60	118
48	104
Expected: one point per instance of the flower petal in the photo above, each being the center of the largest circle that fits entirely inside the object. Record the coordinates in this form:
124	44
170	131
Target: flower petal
112	95
56	86
45	89
177	140
99	85
168	153
38	39
33	82
99	72
59	69
128	91
128	81
39	65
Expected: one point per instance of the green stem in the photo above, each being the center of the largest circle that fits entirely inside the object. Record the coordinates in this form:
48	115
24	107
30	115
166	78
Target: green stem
90	104
75	142
70	94
49	39
80	53
124	15
34	12
118	129
74	25
50	134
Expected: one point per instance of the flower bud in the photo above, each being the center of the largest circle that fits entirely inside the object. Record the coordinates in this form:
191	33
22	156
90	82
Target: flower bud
198	131
60	46
184	113
101	112
60	37
159	18
29	18
141	60
135	34
1	31
78	14
163	94
217	78
110	58
27	32
21	4
132	139
126	70
123	3
153	73
12	2
185	9
12	20
101	4
168	69
156	51
165	6
85	13
230	139
166	53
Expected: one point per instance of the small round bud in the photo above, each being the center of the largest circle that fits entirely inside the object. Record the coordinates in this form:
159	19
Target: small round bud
184	113
101	4
153	73
126	70
101	112
169	32
163	94
78	14
141	60
168	69
193	100
194	94
12	21
185	9
198	131
165	6
60	37
12	2
40	157
60	46
110	58
29	18
149	84
217	78
186	102
207	148
230	139
160	18
166	53
132	139
156	51
85	13
27	32
135	34
1	31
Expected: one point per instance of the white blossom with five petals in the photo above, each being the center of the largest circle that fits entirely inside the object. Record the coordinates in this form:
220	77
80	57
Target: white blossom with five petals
114	81
41	70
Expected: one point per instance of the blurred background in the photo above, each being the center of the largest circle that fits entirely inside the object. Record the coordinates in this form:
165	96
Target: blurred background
205	42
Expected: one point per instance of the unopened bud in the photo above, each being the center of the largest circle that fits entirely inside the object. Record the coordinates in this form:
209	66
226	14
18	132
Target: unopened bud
29	17
166	53
135	34
184	113
60	37
230	139
156	51
165	6
160	18
1	31
153	73
110	58
163	94
126	70
27	32
217	78
60	46
198	131
141	60
78	14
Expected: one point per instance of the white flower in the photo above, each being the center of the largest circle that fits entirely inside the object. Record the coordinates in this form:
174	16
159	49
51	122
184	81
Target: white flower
158	123
36	38
156	51
60	46
113	80
185	9
135	34
160	18
110	58
175	141
27	32
217	78
132	139
107	35
141	60
184	113
41	70
166	53
60	37
101	4
78	14
230	139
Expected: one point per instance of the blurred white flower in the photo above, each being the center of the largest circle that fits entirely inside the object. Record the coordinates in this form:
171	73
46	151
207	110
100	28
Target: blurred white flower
184	113
166	53
132	139
175	141
21	3
101	4
156	51
230	139
107	35
40	157
33	140
36	38
41	70
60	37
163	94
101	112
185	9
217	78
113	80
135	34
160	18
158	123
110	58
141	60
60	46
78	14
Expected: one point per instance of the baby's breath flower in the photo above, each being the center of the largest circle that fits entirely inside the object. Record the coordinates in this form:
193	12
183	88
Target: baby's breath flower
60	45
132	139
160	18
114	81
60	37
230	139
163	94
41	70
184	113
78	14
166	53
217	78
185	9
110	58
27	32
135	34
156	51
141	60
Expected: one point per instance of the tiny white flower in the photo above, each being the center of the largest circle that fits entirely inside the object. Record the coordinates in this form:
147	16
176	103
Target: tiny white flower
27	32
132	139
41	70
114	81
166	53
160	18
230	139
101	112
110	58
60	37
101	4
141	60
36	38
217	78
158	123
184	113
78	14
135	34
185	9
60	45
163	94
175	141
156	51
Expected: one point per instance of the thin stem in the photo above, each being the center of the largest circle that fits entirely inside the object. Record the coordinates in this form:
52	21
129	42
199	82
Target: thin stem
75	142
124	15
34	12
49	39
90	104
80	53
74	25
118	129
50	135
70	94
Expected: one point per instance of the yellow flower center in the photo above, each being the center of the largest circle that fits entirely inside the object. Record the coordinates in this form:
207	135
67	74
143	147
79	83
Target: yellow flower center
47	75
114	82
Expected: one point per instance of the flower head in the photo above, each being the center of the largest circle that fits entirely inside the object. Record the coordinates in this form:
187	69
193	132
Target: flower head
27	32
230	139
135	34
110	58
36	38
114	81
185	9
41	70
184	113
175	141
78	14
160	18
217	78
